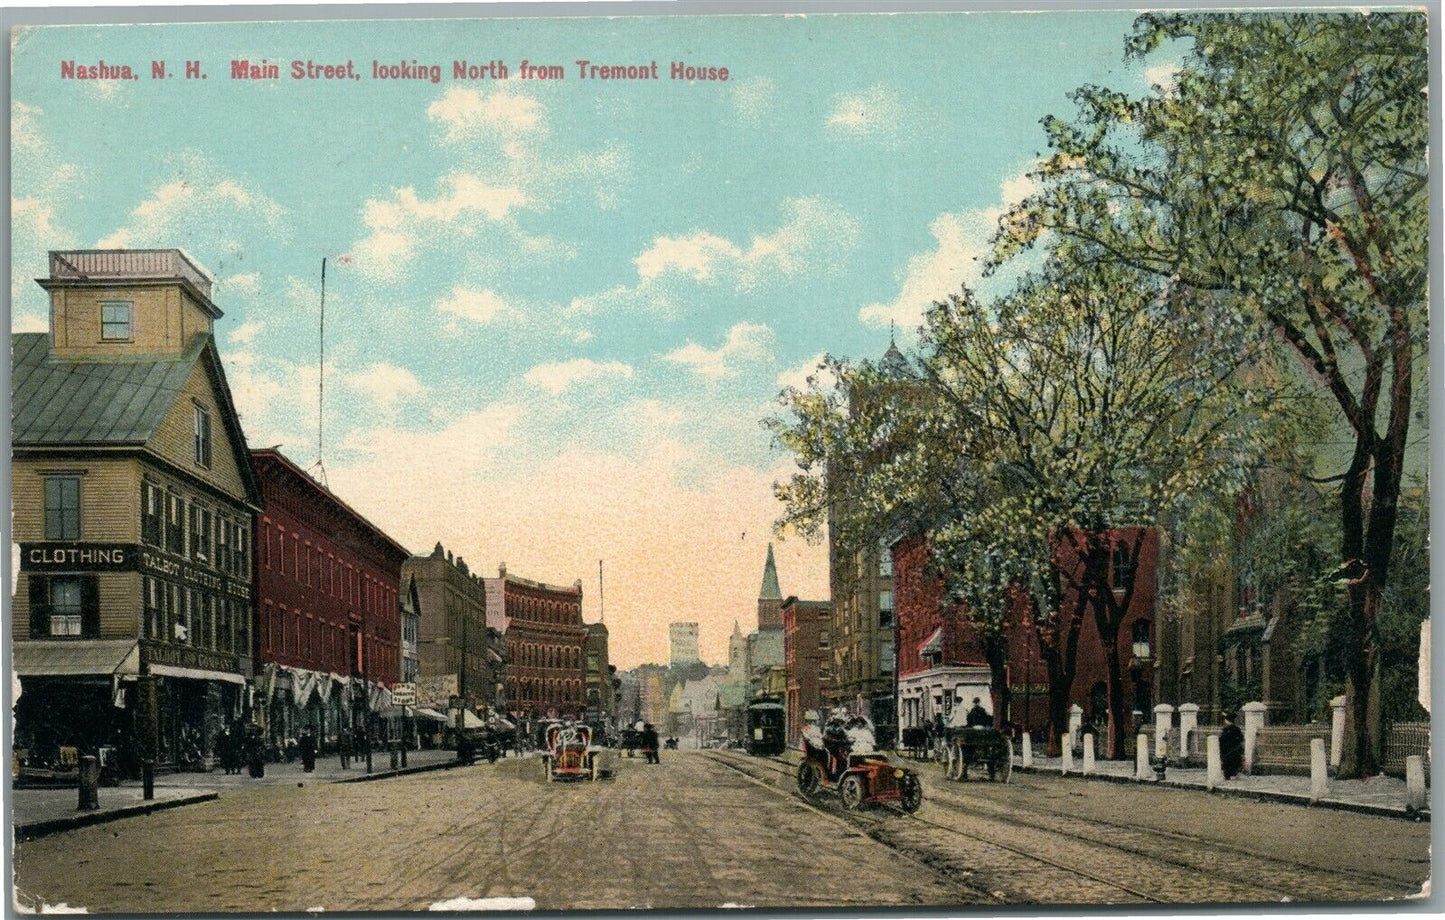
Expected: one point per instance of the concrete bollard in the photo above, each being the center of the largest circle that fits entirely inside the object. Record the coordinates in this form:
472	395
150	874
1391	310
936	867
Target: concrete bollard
1214	772
1415	798
1163	721
89	783
1319	773
1088	754
1188	722
1076	722
1141	758
1068	752
1337	731
1028	753
1254	719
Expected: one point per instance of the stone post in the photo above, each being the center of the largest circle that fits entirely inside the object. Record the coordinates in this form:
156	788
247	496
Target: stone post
1254	720
1319	775
1141	757
1214	772
1028	754
1076	721
1188	722
89	783
1337	731
1088	754
1068	752
1163	720
1415	799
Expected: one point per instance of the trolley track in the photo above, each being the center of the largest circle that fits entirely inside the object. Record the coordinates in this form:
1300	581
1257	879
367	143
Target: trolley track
1228	872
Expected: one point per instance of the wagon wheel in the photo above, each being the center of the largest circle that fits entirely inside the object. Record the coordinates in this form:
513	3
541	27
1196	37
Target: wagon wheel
852	792
809	779
547	768
912	793
1006	767
955	761
962	765
948	762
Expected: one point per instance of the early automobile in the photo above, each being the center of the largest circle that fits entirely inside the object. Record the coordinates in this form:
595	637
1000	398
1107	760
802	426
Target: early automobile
569	753
766	737
841	757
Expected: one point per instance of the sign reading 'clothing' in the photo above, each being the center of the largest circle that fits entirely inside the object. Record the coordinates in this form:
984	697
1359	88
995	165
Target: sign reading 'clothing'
77	557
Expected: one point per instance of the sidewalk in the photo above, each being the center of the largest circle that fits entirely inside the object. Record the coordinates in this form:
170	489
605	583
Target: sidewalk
41	811
1379	795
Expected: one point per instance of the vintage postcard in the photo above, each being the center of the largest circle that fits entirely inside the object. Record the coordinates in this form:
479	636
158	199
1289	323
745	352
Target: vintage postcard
849	461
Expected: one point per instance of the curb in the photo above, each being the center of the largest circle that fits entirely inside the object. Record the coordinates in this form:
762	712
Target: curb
37	829
1259	795
400	771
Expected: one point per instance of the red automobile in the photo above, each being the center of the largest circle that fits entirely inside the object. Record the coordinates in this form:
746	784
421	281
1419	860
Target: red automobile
862	778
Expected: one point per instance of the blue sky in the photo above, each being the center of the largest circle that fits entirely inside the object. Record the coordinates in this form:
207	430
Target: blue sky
564	306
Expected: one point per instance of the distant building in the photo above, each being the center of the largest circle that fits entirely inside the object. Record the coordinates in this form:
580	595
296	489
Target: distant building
861	588
544	640
683	641
455	638
328	620
132	503
598	677
765	645
410	632
808	658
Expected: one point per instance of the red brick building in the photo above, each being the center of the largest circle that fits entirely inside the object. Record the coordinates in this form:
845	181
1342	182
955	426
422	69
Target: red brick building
807	659
941	664
328	620
545	638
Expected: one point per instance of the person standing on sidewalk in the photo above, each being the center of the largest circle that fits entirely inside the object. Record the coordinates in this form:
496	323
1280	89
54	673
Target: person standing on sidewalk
1231	747
308	750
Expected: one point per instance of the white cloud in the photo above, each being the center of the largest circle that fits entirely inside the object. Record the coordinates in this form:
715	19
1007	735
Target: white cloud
199	209
463	112
398	224
797	377
246	284
754	99
693	255
1164	75
478	306
874	110
558	376
25	134
386	384
745	343
245	334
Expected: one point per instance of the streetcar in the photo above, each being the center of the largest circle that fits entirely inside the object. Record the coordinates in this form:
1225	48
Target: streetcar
767	731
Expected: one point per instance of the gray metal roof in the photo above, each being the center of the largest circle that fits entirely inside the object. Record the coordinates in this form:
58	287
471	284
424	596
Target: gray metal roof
95	402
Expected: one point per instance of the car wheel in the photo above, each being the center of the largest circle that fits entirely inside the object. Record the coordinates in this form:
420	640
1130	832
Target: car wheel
809	779
912	793
852	792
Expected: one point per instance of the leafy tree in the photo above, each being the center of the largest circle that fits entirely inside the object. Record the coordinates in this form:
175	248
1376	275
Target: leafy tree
1104	397
1285	170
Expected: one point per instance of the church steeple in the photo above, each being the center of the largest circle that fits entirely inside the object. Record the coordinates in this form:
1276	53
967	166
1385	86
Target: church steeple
770	590
770	596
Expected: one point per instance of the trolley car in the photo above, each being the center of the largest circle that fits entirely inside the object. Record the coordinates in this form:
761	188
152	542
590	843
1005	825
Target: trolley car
767	735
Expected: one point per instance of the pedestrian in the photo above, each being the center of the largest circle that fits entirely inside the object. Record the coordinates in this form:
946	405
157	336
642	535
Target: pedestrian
308	750
1231	747
223	750
649	743
255	751
238	746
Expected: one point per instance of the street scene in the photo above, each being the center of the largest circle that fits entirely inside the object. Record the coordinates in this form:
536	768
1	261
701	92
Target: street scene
640	465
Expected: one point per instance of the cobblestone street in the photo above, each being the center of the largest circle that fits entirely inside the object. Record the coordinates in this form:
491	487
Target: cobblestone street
704	830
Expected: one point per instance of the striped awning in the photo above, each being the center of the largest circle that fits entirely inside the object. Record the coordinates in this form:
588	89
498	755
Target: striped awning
76	658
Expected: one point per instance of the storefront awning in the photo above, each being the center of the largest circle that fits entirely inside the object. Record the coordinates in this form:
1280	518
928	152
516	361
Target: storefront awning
170	670
76	658
432	714
934	645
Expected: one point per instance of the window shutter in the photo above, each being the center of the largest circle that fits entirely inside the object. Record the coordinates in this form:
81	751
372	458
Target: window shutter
90	607
39	607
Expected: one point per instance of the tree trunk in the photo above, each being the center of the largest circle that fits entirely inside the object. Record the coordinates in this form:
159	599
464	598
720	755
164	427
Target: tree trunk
995	652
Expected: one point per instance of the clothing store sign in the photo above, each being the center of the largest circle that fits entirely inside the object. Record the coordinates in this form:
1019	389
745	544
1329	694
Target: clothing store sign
78	557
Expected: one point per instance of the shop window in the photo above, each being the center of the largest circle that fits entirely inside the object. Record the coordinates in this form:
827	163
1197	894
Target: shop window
62	507
152	515
115	320
203	437
65	607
